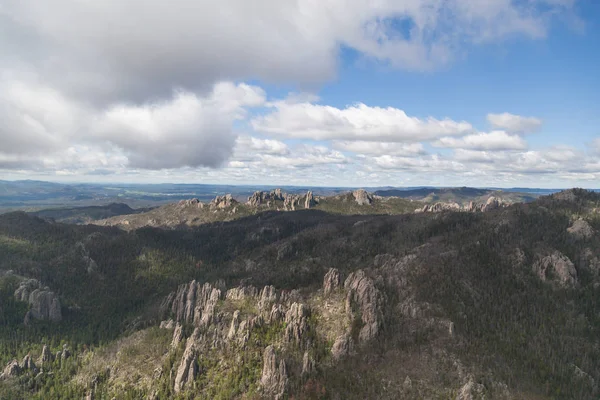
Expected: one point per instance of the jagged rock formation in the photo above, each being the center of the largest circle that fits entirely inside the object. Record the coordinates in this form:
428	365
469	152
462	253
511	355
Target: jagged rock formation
310	201
44	303
222	202
296	320
258	198
308	364
364	297
188	367
471	391
491	203
439	207
191	203
46	357
362	197
192	303
274	379
11	370
343	346
556	268
177	336
331	281
28	364
581	229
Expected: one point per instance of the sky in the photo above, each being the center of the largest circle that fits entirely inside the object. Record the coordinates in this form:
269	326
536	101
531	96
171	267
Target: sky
356	93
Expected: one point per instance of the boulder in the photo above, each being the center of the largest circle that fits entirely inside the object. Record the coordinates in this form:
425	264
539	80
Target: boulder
331	281
362	197
274	379
556	268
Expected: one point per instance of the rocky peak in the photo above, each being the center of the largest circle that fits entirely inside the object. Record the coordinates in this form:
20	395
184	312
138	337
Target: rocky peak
331	281
296	320
44	303
439	207
310	201
188	367
192	303
492	203
363	294
362	197
274	379
191	203
221	202
12	369
260	197
46	356
556	268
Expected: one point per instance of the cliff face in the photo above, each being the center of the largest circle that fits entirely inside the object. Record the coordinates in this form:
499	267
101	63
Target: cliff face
44	303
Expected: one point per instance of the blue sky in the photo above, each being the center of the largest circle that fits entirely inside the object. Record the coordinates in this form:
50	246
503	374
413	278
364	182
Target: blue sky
413	92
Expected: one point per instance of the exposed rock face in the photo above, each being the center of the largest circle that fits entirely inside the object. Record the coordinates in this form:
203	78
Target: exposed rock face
235	323
192	303
268	296
291	201
44	303
491	204
439	207
277	313
308	364
362	198
28	364
259	198
296	320
581	229
177	336
221	202
274	377
556	268
188	367
12	369
331	281
191	203
309	202
46	357
471	391
363	294
240	293
343	346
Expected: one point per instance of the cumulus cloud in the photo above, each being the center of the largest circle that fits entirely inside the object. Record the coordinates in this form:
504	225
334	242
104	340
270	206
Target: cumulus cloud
185	130
380	148
495	140
357	122
113	50
434	163
514	123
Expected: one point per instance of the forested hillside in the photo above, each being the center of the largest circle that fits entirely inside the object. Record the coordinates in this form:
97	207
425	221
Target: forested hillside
307	304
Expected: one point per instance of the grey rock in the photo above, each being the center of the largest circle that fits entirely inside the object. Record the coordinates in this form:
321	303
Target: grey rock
343	346
363	294
44	303
309	201
277	313
296	319
267	296
192	303
188	367
11	370
471	391
177	336
46	357
331	281
274	379
222	202
235	323
556	268
362	198
28	364
581	229
308	364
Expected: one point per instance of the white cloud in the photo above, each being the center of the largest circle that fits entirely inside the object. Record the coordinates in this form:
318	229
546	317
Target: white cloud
134	49
514	123
495	140
249	145
357	122
434	163
380	148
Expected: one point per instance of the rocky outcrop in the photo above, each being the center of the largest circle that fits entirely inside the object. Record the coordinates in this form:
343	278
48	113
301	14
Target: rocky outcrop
331	281
277	313
290	202
309	201
343	346
439	207
46	357
11	370
28	364
362	197
259	198
274	379
556	268
222	202
44	304
192	303
581	229
471	391
308	364
177	336
235	323
188	367
267	296
365	298
296	320
492	203
191	203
